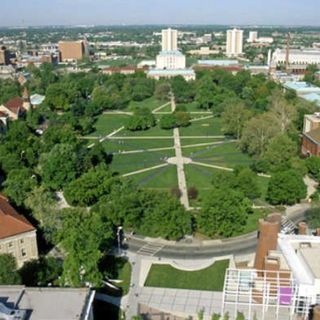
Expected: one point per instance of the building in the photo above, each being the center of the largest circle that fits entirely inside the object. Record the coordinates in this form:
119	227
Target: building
170	62
234	45
123	70
304	90
22	303
4	56
284	282
228	65
15	107
204	51
311	135
253	36
73	50
169	40
299	59
17	234
187	74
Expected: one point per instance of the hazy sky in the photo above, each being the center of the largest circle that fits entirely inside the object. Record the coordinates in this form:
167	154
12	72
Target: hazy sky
48	12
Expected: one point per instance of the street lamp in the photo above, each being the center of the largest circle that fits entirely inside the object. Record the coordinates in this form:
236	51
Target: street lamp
119	239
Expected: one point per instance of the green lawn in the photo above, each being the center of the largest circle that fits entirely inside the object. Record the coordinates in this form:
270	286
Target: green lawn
227	155
193	106
139	144
165	276
124	274
166	108
152	132
108	123
150	103
208	127
125	163
162	179
191	141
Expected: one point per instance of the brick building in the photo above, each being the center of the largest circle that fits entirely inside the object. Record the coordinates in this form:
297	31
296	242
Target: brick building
4	56
73	50
311	135
17	234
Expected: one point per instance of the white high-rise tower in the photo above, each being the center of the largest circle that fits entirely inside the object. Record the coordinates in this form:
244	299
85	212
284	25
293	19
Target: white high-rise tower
234	45
169	40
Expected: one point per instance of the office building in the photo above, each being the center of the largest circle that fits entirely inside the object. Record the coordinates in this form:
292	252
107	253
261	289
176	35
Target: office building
4	56
17	235
169	40
73	50
311	135
253	36
24	303
234	46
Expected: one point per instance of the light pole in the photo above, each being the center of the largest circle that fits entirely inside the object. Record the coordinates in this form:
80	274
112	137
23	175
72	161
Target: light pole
119	239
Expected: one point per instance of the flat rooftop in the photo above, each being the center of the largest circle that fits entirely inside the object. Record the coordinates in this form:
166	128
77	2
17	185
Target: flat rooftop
218	63
301	86
48	303
311	256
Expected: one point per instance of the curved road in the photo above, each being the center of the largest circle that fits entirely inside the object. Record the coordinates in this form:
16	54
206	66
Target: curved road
207	249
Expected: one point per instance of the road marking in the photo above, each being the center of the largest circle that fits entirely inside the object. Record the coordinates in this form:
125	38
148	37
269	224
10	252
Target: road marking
150	249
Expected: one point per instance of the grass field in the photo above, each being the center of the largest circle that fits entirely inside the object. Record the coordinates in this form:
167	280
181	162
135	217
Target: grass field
161	179
150	103
152	132
113	146
227	155
108	123
185	141
165	276
125	163
208	127
193	106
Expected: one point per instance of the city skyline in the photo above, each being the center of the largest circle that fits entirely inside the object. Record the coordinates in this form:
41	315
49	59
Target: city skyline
140	12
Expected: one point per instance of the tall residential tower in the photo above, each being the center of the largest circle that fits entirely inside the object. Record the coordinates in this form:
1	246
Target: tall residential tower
169	40
234	45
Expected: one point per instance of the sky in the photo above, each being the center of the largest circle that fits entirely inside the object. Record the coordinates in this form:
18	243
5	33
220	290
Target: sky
109	12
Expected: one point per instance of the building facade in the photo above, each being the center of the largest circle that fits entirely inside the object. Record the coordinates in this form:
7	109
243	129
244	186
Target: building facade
4	56
17	235
311	135
72	50
253	36
234	46
169	40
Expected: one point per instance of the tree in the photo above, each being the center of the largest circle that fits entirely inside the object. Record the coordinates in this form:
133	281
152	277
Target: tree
257	134
142	119
8	270
313	217
90	187
286	187
18	184
282	112
233	119
162	91
85	237
41	272
168	121
59	166
280	150
182	119
246	181
224	213
313	165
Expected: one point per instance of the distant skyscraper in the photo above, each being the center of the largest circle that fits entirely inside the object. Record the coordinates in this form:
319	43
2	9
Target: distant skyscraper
234	43
169	40
253	36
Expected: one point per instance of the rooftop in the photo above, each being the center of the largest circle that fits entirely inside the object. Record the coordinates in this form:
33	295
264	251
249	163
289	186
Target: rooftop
36	99
11	222
48	303
219	62
170	53
171	72
301	87
14	104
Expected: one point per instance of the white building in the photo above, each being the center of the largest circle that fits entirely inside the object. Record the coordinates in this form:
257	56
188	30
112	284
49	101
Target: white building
169	40
297	57
170	61
234	45
253	36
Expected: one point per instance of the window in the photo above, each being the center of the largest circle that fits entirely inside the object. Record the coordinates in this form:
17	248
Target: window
23	252
10	244
22	241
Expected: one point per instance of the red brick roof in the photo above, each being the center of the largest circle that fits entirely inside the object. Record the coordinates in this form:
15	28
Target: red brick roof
2	114
11	222
14	105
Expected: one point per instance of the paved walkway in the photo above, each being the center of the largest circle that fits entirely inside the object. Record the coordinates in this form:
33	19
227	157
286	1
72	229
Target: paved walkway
212	166
311	186
182	182
161	107
201	118
145	170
